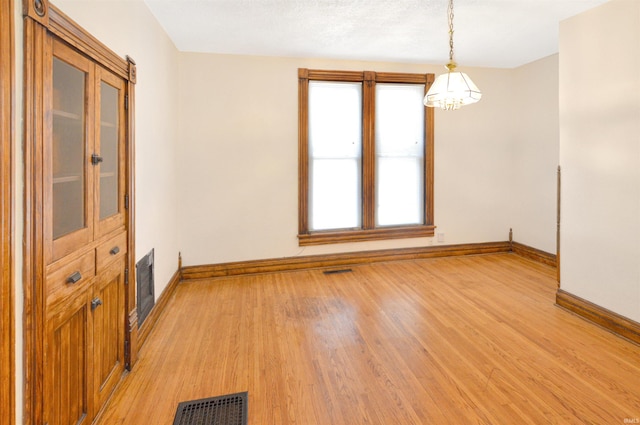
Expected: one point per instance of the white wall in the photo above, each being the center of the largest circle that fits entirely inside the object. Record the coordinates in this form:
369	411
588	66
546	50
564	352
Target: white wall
600	156
238	159
535	150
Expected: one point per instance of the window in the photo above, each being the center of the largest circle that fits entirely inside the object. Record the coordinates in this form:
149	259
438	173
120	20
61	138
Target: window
365	156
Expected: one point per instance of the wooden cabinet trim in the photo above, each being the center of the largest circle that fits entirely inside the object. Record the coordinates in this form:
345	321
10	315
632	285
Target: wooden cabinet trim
75	276
110	277
111	250
68	30
7	111
33	322
131	354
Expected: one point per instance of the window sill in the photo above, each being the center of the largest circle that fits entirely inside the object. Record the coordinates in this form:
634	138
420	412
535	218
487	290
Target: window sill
329	237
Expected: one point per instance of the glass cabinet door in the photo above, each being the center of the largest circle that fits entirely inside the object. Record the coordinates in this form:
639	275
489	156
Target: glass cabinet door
68	223
68	148
110	150
109	124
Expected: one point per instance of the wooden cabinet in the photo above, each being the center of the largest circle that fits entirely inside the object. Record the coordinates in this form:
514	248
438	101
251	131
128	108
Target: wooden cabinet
79	306
108	307
68	362
85	332
84	234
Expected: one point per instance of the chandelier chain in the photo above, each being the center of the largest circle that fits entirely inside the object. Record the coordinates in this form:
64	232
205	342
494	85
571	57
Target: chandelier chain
454	89
450	15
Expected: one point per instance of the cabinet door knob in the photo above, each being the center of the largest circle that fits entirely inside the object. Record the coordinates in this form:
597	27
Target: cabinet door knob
96	159
114	250
95	303
74	278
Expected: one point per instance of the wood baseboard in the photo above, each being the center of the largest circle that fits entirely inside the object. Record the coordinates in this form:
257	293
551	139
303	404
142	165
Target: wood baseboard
158	308
534	254
339	260
607	319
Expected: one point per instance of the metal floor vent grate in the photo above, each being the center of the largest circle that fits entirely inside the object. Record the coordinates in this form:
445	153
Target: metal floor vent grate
223	410
337	271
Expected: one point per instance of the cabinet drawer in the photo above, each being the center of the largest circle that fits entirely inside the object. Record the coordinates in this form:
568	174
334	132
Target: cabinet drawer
71	278
110	251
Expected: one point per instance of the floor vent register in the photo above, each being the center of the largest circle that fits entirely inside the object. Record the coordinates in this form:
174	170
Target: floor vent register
223	410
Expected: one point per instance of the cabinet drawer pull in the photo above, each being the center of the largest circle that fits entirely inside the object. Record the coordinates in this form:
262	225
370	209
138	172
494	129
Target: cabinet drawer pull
74	278
95	303
114	250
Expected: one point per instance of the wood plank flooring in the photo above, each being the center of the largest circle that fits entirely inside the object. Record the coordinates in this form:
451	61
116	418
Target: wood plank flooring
441	341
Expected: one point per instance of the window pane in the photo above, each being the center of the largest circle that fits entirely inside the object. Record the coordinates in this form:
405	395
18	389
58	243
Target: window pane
399	191
335	120
335	190
335	147
399	154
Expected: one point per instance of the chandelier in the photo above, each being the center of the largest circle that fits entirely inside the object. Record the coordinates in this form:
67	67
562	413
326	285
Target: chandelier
454	89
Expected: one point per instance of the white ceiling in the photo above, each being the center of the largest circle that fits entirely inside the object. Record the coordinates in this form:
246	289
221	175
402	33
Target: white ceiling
491	33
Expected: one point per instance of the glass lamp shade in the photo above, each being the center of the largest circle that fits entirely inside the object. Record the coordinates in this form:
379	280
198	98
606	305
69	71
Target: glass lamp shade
451	91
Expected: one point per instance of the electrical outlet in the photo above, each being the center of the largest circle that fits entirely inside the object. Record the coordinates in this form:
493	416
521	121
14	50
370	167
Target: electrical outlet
440	237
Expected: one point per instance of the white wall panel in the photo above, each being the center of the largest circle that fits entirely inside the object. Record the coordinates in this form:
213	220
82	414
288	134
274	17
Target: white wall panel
600	156
534	149
239	152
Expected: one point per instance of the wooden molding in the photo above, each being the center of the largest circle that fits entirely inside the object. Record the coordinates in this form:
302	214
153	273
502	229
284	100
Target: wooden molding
362	257
338	260
7	322
130	190
321	238
69	31
156	311
132	331
303	150
38	10
394	77
33	269
331	75
607	319
534	254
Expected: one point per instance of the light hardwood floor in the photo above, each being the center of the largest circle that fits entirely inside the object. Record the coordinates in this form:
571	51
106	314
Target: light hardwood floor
442	341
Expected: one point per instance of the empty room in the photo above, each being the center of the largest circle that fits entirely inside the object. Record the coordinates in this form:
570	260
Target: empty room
225	212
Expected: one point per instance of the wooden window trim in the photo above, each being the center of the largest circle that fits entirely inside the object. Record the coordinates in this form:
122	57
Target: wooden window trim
368	230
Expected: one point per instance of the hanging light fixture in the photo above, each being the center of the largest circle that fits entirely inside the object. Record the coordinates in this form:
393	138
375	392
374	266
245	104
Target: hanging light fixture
454	89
